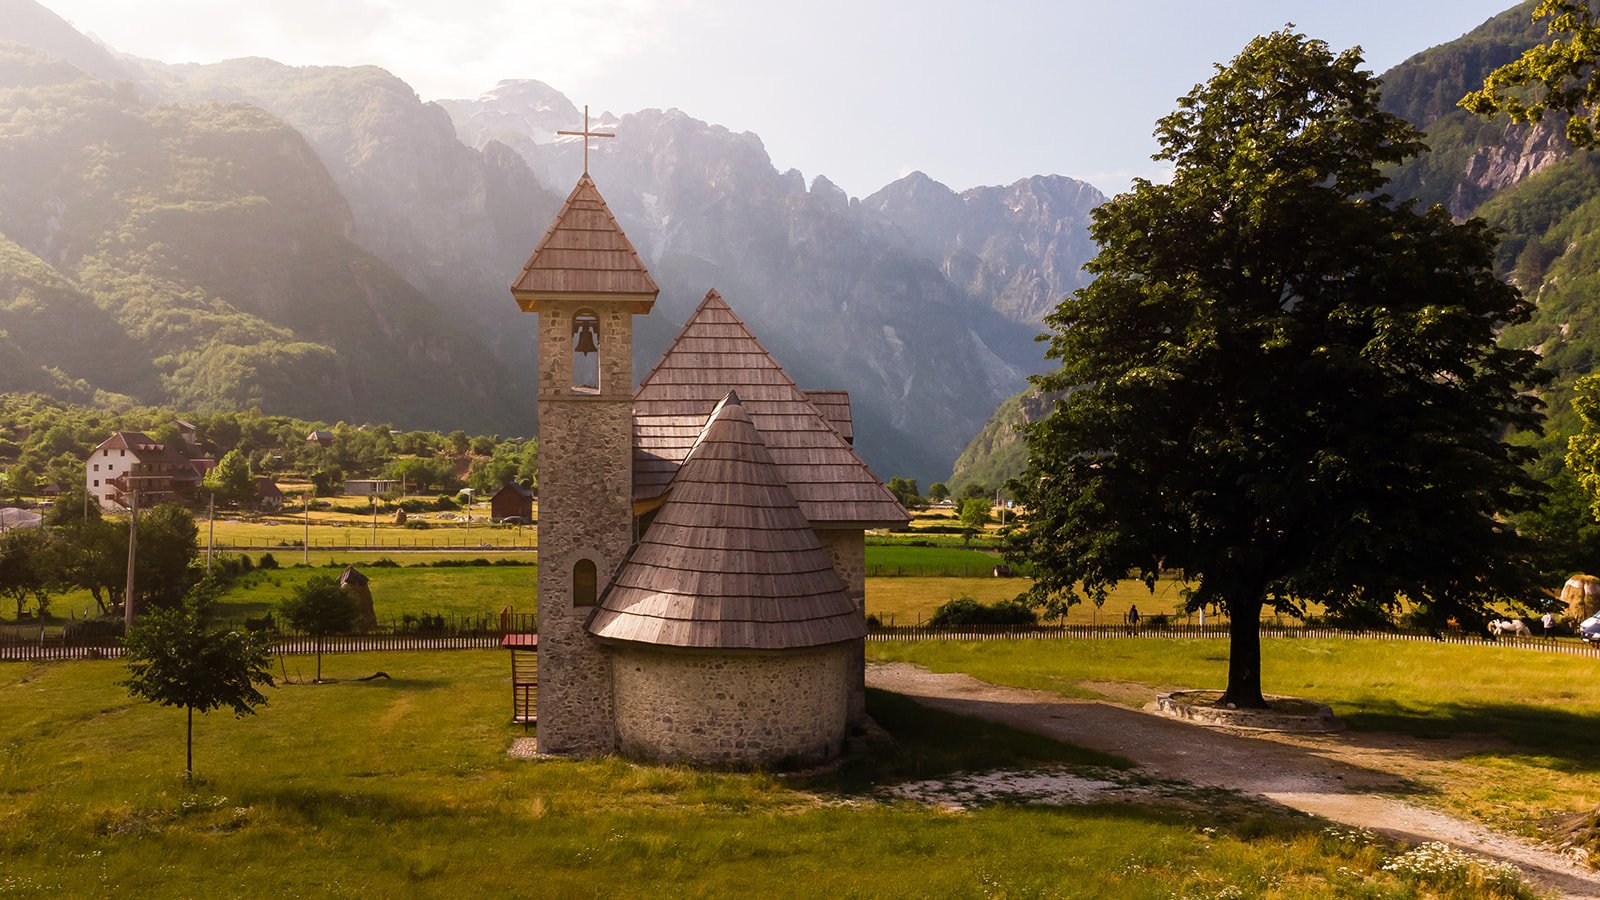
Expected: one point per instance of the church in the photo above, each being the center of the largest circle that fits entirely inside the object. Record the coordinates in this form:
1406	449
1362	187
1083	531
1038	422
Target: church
702	562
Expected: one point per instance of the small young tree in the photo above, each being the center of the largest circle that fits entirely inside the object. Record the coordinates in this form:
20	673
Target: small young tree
976	512
177	658
938	492
319	607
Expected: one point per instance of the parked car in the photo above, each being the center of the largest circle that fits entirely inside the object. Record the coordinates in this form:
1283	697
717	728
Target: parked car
1589	629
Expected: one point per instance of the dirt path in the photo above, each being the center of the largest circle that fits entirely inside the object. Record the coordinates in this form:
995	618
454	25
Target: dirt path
1337	777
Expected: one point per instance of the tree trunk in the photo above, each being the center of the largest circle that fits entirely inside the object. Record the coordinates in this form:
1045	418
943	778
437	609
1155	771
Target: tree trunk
319	660
1244	654
188	746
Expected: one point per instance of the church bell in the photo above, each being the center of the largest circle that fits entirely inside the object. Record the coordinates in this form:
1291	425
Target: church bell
586	342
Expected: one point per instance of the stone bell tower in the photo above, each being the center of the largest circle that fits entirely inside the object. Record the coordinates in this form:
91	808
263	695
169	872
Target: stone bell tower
586	283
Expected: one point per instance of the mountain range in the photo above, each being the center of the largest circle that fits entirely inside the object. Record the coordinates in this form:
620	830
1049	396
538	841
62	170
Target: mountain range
320	242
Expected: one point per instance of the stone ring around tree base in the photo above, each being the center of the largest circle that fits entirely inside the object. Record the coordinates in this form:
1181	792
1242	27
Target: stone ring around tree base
1289	714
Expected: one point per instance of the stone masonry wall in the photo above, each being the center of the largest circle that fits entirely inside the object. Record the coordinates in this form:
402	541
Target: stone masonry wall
847	548
585	512
732	709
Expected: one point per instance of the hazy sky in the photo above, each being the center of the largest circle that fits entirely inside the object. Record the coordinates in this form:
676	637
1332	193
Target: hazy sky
861	91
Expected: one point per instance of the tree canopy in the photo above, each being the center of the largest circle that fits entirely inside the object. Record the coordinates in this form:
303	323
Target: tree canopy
230	480
177	657
1554	76
1282	383
320	607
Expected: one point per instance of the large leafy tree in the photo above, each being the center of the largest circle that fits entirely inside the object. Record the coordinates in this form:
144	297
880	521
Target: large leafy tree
1554	76
24	568
230	480
1283	383
168	545
178	657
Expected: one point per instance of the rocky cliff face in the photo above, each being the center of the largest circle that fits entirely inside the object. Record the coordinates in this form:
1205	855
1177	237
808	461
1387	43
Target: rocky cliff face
1018	249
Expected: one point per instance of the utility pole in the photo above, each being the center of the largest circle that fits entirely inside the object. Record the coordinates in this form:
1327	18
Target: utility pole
211	528
374	520
306	544
133	549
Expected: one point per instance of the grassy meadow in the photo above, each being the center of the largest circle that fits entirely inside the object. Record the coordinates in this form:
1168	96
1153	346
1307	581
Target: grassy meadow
404	788
1516	727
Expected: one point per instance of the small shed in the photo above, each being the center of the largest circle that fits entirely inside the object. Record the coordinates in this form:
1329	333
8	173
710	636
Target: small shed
353	582
320	438
512	500
269	497
362	487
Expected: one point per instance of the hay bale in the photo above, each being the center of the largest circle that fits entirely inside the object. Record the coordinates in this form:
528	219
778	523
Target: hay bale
400	517
355	584
1581	596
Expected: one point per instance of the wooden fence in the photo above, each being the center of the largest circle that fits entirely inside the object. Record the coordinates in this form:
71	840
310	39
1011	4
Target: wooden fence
906	633
52	648
16	648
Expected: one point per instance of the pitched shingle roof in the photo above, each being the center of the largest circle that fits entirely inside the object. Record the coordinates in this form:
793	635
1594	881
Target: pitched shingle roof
716	353
585	252
730	561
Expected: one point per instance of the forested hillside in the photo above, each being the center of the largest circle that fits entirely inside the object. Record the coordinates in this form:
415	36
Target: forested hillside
199	254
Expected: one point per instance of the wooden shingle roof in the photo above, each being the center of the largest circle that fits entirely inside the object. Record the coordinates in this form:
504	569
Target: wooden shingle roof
584	254
729	562
835	407
716	353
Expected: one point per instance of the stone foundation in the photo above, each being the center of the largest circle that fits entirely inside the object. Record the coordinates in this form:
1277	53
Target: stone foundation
732	708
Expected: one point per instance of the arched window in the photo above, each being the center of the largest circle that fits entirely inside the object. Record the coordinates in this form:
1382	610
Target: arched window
586	351
583	583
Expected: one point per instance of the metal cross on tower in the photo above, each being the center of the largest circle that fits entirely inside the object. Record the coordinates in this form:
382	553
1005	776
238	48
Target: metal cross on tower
586	134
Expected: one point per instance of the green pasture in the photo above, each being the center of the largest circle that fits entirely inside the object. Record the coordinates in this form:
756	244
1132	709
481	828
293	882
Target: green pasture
403	787
454	591
1516	727
896	560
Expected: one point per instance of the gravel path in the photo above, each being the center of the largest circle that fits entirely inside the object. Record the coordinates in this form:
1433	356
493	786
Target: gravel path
1344	778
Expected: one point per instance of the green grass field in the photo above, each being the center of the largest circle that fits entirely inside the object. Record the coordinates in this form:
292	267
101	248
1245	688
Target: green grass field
889	561
403	788
460	591
1528	718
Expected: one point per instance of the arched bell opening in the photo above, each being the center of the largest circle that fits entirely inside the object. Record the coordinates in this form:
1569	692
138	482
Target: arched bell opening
586	352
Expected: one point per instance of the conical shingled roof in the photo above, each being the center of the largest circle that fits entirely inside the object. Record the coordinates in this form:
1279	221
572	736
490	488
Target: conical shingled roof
584	252
716	353
729	562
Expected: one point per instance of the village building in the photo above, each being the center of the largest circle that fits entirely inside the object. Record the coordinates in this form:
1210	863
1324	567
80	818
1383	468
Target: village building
363	487
511	501
131	462
320	438
269	497
702	548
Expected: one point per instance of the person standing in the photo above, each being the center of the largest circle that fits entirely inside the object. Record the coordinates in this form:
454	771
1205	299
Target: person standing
1549	622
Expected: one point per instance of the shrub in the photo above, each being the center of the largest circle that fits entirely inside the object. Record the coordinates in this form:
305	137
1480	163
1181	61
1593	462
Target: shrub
967	611
416	524
268	561
445	503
